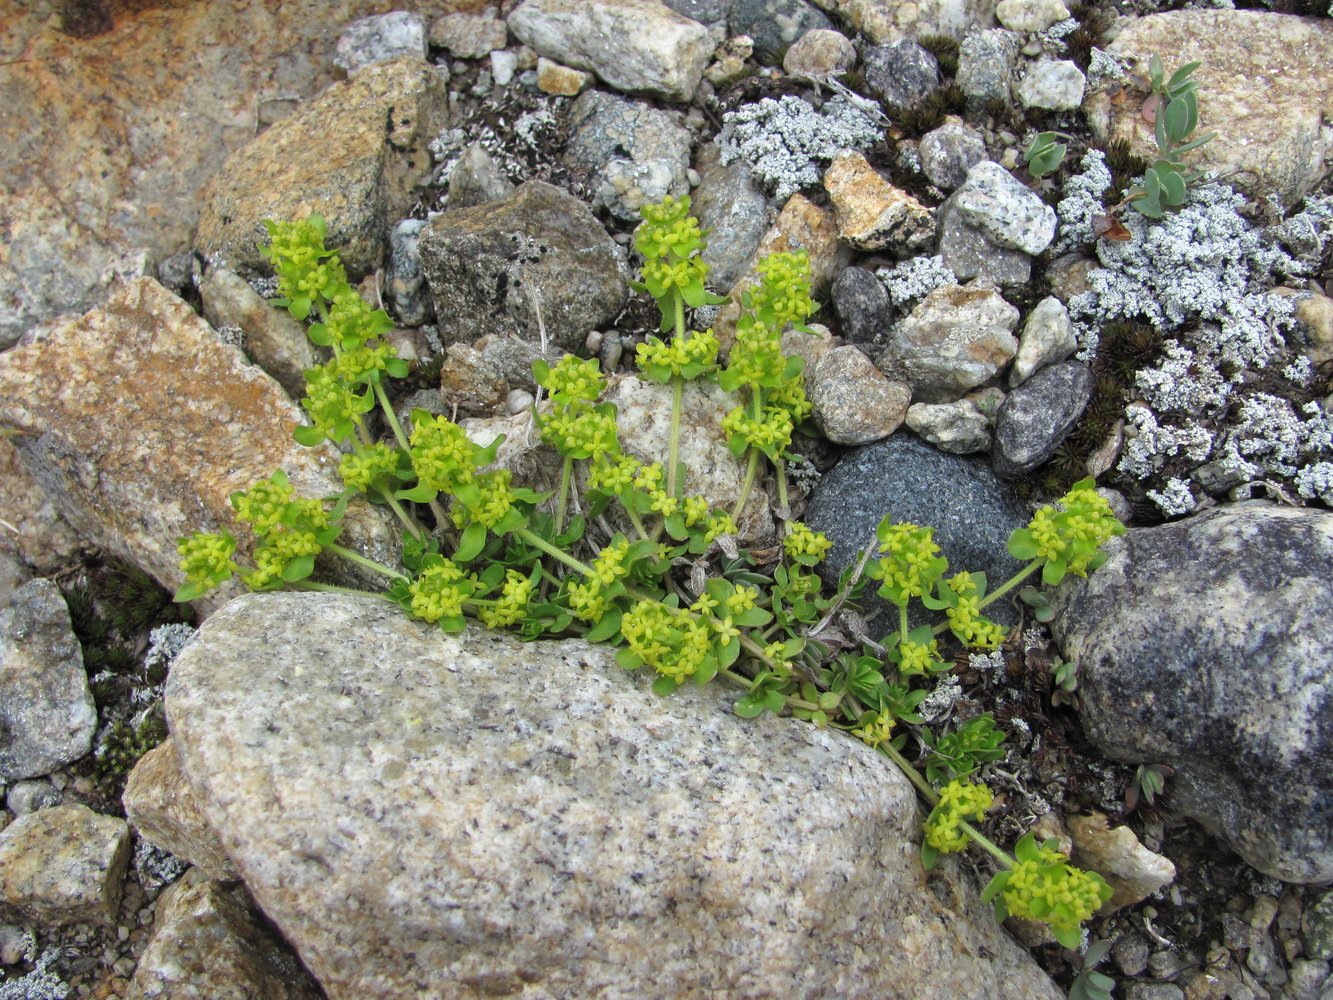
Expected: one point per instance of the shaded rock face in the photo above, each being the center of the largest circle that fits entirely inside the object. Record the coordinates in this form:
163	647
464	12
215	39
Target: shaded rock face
426	815
485	265
1205	645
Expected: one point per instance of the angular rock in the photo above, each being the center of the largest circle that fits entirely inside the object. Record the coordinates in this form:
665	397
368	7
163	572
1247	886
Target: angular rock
997	204
861	303
480	834
493	266
29	796
732	206
275	341
1203	644
64	865
644	422
47	715
1027	16
949	152
774	25
636	154
954	340
469	36
969	254
1052	85
900	73
406	284
871	213
159	804
145	452
803	225
208	944
986	63
477	179
819	54
1038	415
971	511
1133	871
1266	147
561	81
373	133
884	21
635	46
1047	337
379	39
959	428
854	403
40	538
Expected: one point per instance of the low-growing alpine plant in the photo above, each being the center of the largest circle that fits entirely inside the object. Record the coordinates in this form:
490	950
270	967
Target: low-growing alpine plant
671	589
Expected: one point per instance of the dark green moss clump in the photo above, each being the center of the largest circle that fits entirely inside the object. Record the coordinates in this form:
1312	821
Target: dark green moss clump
945	50
929	112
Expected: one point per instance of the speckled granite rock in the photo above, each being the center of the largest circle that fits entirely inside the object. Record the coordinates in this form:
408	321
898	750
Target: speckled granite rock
486	264
353	155
159	804
47	715
208	945
513	817
1204	644
40	537
1038	415
128	420
1264	87
64	865
854	403
888	20
635	46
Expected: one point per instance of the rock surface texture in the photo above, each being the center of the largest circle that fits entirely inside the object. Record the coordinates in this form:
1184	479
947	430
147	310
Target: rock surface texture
1205	645
506	821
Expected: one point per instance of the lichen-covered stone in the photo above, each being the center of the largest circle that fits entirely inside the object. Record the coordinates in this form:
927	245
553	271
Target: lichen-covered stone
381	38
353	155
901	72
47	715
561	81
986	62
492	268
635	46
997	204
514	816
140	424
959	428
1027	16
861	303
854	403
949	152
160	805
64	865
1204	644
819	54
1052	85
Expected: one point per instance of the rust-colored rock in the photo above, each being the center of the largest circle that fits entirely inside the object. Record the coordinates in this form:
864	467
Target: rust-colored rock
160	804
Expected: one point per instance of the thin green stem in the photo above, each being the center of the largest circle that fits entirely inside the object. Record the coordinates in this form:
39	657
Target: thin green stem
358	559
408	520
557	554
333	588
441	518
562	501
390	416
902	622
782	483
747	485
635	520
1010	584
988	845
673	441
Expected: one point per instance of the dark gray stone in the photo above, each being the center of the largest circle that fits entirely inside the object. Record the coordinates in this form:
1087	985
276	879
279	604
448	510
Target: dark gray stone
949	152
774	25
733	209
706	12
901	72
972	511
1038	415
407	286
492	267
1207	645
986	62
861	303
968	254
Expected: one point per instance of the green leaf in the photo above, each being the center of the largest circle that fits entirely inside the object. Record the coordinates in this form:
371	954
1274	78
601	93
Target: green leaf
664	686
1053	572
1069	937
1026	848
748	707
1177	117
319	334
1173	189
1022	545
421	493
995	886
189	591
829	700
606	628
675	527
308	436
1181	76
929	856
706	672
627	660
774	701
1156	71
1152	184
729	652
472	542
396	367
298	569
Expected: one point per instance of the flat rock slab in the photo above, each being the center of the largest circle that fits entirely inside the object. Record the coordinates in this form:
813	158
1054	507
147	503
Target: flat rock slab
1264	87
140	423
426	816
1207	645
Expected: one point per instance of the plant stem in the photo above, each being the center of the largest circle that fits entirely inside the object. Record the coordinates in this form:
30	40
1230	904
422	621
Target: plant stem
638	525
781	467
561	503
408	520
333	588
988	845
750	471
389	415
362	561
902	622
1010	584
555	553
673	441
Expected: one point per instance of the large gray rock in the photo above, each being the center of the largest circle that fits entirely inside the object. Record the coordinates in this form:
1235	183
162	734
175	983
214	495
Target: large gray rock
971	511
1205	645
413	810
900	73
537	258
635	46
47	715
733	208
986	63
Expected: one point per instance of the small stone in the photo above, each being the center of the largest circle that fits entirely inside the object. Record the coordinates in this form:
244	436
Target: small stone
518	400
774	25
871	213
854	403
275	341
900	73
861	303
1047	337
469	36
160	804
986	63
959	428
1130	953
560	81
949	152
803	225
1068	275
13	944
1154	991
1317	928
1028	16
1164	965
47	715
1038	415
819	54
1306	979
1052	85
379	39
29	796
475	179
64	865
1133	871
997	204
731	62
504	65
1316	315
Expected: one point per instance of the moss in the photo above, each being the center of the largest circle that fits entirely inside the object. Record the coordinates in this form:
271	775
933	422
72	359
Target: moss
120	749
945	50
929	112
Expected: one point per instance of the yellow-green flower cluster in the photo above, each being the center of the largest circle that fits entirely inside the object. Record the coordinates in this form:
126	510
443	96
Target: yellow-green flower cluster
306	272
720	524
358	363
439	591
687	357
804	545
672	641
262	506
756	356
668	230
673	272
771	433
351	321
667	278
359	469
572	379
959	801
588	599
965	619
875	731
512	604
206	559
575	427
919	657
783	293
331	404
497	498
293	538
1072	535
1044	887
911	563
442	455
